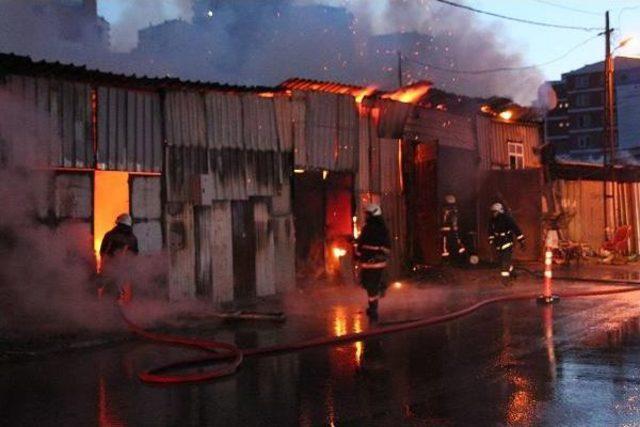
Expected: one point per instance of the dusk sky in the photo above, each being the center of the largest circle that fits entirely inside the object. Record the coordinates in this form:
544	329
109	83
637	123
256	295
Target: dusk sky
538	44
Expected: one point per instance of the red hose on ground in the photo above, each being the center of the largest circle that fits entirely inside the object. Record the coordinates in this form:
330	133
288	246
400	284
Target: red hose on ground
233	356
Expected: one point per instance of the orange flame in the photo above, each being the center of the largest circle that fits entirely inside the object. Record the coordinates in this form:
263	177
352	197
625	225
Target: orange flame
266	95
361	94
409	94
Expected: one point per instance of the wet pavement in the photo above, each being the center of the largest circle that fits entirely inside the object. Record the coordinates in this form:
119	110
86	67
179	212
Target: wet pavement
573	363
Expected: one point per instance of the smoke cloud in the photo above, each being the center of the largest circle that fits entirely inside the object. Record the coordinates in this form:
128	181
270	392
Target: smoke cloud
263	42
139	14
47	267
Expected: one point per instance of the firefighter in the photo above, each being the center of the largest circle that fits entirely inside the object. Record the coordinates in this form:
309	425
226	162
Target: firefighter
503	233
452	247
116	245
372	252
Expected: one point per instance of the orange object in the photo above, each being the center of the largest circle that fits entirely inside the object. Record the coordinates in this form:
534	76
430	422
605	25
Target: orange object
619	242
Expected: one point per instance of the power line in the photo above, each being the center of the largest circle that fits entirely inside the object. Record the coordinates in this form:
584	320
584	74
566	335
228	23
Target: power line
521	20
573	9
501	69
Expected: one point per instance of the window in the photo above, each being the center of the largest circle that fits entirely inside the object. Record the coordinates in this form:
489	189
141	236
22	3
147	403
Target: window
582	82
583	141
516	155
584	121
582	100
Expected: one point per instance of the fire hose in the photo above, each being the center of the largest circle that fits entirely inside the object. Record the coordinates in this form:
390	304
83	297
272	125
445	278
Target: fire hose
231	357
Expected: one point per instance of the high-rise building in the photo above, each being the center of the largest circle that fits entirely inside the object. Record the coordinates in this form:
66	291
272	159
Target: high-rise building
576	125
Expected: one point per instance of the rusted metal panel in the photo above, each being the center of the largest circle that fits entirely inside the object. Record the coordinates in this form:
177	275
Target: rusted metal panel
146	210
262	172
60	112
321	130
73	196
224	120
259	123
290	118
180	239
450	130
145	197
521	193
363	177
186	119
265	249
348	122
493	138
129	135
281	200
244	249
222	252
393	117
395	215
284	240
203	256
390	171
375	166
149	234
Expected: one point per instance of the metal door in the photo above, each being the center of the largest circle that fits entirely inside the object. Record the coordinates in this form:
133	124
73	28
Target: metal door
244	250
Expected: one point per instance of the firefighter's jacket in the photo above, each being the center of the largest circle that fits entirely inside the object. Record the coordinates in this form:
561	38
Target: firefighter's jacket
449	219
503	232
373	246
119	239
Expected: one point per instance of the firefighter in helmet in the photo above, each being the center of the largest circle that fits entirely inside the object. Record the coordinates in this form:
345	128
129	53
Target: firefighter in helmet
503	233
372	252
452	246
116	245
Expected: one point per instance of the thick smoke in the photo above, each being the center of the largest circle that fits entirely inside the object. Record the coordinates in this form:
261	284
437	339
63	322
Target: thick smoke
47	279
263	42
139	14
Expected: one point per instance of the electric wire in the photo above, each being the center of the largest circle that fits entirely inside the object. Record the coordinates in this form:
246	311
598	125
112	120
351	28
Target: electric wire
521	20
502	69
573	9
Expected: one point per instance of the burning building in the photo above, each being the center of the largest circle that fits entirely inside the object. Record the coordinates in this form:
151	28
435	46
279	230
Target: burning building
229	183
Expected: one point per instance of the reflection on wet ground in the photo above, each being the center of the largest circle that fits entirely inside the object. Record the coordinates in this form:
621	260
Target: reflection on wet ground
574	363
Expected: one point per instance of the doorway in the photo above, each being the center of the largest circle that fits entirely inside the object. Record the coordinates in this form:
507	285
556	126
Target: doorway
110	199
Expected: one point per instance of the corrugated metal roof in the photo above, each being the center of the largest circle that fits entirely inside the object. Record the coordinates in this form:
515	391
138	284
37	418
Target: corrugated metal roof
23	65
320	86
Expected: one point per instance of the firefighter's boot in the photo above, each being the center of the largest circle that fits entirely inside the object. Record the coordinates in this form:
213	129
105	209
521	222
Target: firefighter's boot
372	311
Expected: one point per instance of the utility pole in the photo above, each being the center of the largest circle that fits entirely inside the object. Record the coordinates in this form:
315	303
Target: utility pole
608	143
399	69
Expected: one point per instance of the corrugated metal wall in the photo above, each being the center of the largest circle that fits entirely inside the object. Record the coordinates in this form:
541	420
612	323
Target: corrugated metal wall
230	150
129	130
583	201
494	135
450	130
60	112
331	132
146	210
393	117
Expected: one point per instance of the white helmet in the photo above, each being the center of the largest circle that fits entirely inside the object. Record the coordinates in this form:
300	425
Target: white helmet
450	199
373	209
497	207
125	219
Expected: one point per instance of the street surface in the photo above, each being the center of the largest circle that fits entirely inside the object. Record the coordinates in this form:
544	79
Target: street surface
573	363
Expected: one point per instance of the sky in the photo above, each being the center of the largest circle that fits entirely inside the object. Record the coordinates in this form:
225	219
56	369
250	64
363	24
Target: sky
538	44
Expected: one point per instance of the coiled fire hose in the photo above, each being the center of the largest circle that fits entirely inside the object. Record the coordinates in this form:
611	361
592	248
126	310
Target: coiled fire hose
230	357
